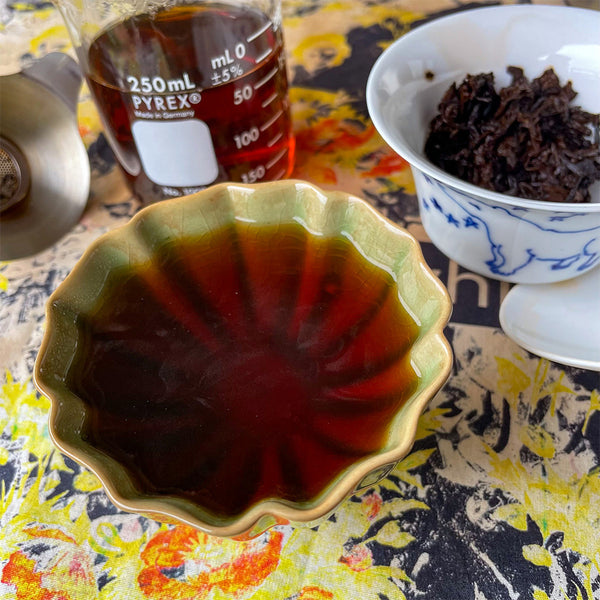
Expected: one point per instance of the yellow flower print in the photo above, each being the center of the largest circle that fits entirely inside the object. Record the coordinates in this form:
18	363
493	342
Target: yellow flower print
538	555
26	411
88	118
85	482
555	503
322	51
50	40
512	380
349	560
594	406
3	278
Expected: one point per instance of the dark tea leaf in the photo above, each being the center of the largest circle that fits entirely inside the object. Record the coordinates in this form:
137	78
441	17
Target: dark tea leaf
527	139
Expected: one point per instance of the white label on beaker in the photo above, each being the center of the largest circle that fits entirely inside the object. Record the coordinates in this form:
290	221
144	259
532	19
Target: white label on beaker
176	153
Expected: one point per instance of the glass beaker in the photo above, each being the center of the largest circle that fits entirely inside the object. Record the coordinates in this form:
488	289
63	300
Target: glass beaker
189	92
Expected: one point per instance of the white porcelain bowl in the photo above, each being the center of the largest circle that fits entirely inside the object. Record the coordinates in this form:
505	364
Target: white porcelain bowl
500	236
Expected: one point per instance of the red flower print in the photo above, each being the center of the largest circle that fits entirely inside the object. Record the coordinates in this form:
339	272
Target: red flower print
63	572
358	558
372	503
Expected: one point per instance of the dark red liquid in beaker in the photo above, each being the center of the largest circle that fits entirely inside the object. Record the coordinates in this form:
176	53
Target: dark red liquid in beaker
215	63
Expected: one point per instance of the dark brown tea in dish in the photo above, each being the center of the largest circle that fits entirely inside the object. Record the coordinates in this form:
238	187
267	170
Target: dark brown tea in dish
253	362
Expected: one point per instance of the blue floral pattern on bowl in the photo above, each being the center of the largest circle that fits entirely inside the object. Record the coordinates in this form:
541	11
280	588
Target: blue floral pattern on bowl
524	245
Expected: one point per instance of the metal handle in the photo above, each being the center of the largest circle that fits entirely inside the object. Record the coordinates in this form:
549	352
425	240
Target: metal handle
60	74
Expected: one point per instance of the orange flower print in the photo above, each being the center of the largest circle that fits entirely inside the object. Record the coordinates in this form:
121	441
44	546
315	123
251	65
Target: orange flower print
19	572
387	165
312	592
358	557
333	135
342	139
61	572
187	564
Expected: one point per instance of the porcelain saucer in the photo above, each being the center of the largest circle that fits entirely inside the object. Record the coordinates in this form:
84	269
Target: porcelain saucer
558	321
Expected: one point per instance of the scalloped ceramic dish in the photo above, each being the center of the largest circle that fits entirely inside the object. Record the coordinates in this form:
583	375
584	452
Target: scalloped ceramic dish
243	357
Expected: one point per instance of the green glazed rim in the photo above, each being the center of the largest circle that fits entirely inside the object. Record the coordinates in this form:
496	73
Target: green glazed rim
324	212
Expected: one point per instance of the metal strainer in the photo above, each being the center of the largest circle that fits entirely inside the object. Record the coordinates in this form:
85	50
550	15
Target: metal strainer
14	174
44	167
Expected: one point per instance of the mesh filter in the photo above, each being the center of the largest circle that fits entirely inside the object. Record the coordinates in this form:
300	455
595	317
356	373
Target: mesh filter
7	164
14	174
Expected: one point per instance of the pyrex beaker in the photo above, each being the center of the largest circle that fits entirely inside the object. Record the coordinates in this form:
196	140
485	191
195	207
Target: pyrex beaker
190	93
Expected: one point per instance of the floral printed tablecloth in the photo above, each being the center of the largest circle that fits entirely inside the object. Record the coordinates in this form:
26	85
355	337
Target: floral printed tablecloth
500	497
